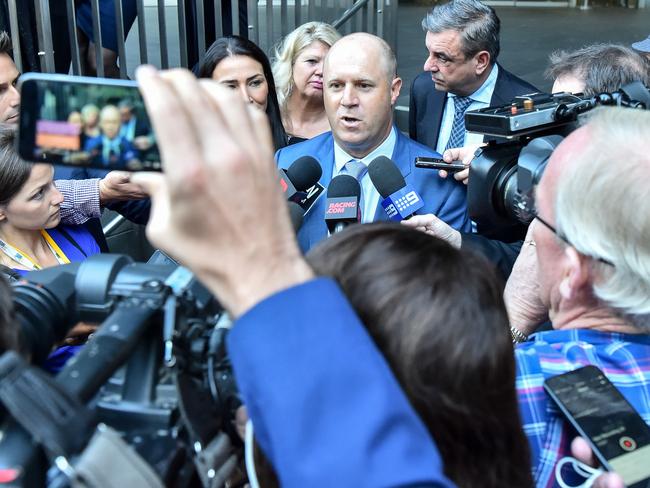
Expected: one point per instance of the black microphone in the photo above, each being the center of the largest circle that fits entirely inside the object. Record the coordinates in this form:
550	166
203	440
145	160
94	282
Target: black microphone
342	206
303	174
296	214
399	199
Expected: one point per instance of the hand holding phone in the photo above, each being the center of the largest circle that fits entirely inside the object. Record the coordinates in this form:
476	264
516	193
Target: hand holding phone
617	434
78	121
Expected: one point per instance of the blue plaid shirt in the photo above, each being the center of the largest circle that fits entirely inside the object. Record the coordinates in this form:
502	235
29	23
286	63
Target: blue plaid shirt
625	360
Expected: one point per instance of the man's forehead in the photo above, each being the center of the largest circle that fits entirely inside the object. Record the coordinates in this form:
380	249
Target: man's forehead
354	71
8	70
110	114
353	63
444	40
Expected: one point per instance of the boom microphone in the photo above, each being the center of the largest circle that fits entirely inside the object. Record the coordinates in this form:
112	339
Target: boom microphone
342	206
400	200
303	174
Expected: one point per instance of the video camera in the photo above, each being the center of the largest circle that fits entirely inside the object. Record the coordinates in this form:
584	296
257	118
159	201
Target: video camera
173	401
504	173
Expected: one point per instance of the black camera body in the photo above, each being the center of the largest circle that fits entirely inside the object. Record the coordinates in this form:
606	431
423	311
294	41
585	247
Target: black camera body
503	175
156	370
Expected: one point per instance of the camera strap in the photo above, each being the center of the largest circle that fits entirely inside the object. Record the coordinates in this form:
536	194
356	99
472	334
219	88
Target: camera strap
53	417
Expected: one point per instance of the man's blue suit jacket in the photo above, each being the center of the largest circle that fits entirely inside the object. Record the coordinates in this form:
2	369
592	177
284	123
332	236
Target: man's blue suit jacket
444	198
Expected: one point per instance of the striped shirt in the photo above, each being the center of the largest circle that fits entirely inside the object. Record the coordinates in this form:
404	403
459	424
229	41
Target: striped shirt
625	360
80	200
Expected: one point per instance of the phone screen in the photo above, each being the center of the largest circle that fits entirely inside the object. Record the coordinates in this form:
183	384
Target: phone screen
601	413
85	122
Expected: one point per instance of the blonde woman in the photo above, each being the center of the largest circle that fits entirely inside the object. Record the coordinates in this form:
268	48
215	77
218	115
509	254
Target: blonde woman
298	73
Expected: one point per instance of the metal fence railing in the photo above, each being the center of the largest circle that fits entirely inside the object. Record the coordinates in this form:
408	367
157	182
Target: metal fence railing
177	32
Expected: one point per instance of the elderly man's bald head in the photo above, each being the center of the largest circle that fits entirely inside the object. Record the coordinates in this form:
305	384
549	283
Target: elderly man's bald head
367	45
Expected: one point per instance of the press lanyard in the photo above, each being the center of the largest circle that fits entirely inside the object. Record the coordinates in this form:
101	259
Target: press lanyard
24	260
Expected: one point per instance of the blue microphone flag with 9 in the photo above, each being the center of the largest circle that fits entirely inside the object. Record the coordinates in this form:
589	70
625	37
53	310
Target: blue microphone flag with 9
402	204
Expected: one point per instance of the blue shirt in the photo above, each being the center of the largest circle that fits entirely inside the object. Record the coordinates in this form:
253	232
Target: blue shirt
480	99
625	360
370	194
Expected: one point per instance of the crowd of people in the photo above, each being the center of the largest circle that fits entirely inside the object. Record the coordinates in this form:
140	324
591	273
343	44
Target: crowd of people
409	354
115	136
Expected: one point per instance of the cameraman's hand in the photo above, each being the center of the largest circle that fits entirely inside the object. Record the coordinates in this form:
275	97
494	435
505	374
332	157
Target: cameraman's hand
116	186
521	295
217	207
432	225
582	452
463	155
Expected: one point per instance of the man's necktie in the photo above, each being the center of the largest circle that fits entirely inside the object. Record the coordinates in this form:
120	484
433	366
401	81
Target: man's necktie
457	136
357	170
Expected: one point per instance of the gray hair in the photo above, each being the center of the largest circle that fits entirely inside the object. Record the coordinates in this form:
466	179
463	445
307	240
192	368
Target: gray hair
602	67
477	23
602	208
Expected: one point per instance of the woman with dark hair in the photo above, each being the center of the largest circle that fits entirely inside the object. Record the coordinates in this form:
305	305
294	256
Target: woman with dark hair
239	64
31	234
437	314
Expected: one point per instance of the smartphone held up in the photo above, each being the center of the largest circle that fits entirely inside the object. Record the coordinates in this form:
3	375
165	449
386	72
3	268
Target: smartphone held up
619	437
79	121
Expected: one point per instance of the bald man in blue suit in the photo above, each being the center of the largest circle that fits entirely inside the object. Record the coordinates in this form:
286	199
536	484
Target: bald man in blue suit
359	91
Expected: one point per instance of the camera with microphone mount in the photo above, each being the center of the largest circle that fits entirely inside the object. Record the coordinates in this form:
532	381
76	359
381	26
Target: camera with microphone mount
504	173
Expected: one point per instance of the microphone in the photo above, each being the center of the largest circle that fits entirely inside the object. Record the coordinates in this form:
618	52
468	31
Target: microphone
303	174
400	200
296	214
342	206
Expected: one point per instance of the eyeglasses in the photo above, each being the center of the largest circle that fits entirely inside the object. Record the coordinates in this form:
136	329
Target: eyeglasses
563	238
551	228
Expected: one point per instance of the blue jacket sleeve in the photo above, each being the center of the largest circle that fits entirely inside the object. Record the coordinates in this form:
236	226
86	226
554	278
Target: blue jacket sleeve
326	408
453	211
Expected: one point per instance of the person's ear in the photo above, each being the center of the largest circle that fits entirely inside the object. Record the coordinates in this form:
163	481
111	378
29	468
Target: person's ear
482	62
3	216
575	274
395	88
